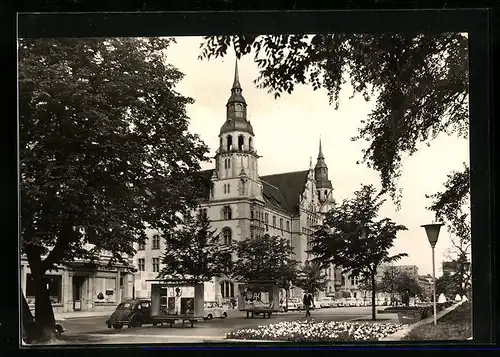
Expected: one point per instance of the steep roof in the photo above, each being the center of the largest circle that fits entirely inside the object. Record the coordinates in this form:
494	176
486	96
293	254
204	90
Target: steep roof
291	185
280	190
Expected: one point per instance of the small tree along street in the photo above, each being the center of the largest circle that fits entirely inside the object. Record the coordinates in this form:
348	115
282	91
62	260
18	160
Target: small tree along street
352	237
194	251
389	282
312	278
407	286
266	258
419	84
104	149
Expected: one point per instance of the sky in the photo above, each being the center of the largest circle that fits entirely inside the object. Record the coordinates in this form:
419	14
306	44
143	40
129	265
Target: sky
287	132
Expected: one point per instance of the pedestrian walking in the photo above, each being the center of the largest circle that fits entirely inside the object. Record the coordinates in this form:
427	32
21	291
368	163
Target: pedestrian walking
307	304
311	301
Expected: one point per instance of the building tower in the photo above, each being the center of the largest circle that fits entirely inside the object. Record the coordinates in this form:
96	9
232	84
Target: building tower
324	188
236	170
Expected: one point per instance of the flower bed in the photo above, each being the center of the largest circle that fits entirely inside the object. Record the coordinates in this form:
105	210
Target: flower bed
310	331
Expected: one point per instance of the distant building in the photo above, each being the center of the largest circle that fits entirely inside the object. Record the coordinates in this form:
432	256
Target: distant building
425	281
242	204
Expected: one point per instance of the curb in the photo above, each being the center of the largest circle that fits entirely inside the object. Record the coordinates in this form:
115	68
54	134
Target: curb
398	335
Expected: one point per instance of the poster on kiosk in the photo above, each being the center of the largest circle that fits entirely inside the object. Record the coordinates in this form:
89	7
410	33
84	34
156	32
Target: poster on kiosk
258	296
177	300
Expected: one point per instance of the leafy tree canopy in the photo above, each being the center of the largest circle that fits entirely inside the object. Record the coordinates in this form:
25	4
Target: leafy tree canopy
419	83
104	146
194	251
312	278
353	238
265	258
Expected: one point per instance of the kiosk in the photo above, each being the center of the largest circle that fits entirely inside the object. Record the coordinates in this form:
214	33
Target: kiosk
258	297
174	299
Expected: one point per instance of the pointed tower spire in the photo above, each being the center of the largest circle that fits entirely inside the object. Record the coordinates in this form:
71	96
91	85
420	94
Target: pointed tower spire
236	83
310	162
320	155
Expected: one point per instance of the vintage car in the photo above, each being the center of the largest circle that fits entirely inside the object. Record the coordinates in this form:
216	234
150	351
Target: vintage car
325	302
350	301
291	306
133	313
298	302
213	309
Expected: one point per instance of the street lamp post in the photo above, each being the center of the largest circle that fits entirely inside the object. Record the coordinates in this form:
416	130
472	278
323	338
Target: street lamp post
432	231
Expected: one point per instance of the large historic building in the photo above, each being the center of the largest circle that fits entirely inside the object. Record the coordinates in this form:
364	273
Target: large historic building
243	204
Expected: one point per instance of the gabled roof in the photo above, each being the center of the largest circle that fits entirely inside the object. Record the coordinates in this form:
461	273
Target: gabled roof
291	186
280	190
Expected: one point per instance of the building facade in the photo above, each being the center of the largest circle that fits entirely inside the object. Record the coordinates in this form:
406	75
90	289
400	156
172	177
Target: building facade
79	286
243	204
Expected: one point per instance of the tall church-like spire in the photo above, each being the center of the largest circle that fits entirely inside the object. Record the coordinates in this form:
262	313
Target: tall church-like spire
320	155
236	109
236	83
321	170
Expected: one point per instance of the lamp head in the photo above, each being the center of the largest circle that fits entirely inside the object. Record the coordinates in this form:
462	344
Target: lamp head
432	231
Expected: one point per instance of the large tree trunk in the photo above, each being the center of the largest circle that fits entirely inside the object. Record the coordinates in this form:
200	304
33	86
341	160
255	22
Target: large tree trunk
374	308
44	315
30	330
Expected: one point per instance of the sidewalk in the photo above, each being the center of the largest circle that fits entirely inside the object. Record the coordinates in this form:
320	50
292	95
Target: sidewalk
80	314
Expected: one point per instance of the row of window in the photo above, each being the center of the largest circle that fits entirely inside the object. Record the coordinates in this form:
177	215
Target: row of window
155	263
155	243
259	216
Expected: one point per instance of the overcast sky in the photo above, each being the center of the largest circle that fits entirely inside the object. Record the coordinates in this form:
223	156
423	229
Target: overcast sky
287	132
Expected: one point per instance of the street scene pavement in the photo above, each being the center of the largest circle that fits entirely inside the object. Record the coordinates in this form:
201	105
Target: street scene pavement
93	330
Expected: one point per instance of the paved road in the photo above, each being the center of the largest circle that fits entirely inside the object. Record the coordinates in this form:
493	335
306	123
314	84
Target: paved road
94	330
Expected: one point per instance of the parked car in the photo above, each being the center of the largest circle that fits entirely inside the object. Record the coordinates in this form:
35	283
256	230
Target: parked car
133	313
298	302
340	302
213	309
360	302
350	302
291	306
325	302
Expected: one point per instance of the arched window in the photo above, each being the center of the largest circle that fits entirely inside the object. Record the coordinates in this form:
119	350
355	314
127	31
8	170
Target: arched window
229	142
225	163
241	142
227	212
227	289
220	143
326	193
250	143
319	195
226	236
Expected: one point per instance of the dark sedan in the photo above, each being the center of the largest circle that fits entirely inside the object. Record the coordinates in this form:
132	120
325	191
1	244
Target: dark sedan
133	313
